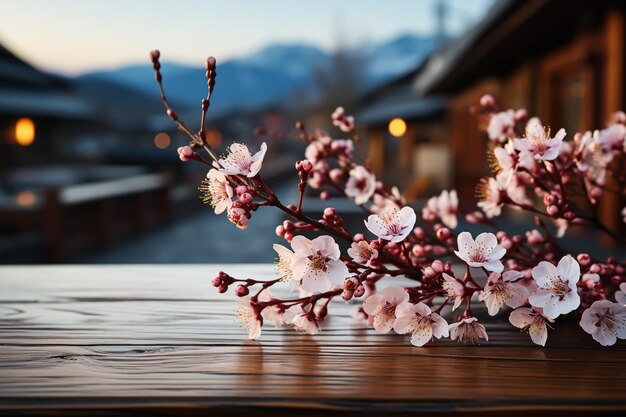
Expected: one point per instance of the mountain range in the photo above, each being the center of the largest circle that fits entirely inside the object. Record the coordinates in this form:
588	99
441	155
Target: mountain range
266	77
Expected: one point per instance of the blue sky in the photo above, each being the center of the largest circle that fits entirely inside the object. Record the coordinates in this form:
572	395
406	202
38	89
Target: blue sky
74	36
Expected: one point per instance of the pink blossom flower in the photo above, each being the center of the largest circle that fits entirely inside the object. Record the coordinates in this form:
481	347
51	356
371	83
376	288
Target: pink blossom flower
491	192
343	122
612	137
605	322
501	125
241	162
538	141
556	287
301	321
381	203
507	159
216	191
238	217
620	295
501	289
382	307
455	290
484	252
444	206
418	320
283	266
592	158
363	253
315	263
361	185
468	330
248	317
392	224
271	313
533	321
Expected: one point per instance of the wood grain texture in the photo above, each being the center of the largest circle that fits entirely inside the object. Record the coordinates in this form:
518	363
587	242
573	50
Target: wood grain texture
159	340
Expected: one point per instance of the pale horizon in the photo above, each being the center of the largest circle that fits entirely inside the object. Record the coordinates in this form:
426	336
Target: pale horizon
64	37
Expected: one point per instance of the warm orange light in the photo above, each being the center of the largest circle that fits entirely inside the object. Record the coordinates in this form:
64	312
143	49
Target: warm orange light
25	198
214	138
162	140
397	127
24	131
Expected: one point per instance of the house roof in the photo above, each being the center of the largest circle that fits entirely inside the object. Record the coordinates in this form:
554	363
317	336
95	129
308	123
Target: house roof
26	90
397	99
512	31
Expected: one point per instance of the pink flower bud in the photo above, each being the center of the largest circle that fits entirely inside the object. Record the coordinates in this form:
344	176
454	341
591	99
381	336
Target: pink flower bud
336	174
241	291
307	166
616	280
443	233
417	250
419	233
487	101
437	266
280	230
324	195
595	268
552	210
245	198
217	281
358	237
241	189
329	213
222	288
359	291
185	153
288	236
288	225
583	259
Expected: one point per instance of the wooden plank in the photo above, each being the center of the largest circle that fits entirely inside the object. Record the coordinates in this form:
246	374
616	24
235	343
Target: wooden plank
160	340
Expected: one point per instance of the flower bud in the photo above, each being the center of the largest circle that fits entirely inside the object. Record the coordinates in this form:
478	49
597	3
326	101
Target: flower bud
288	236
329	213
222	288
583	259
324	195
288	225
155	55
245	198
487	101
359	291
521	115
336	174
280	230
217	281
241	291
241	189
307	166
443	233
552	210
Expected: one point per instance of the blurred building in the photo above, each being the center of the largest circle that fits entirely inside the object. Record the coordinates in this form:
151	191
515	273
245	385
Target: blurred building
407	136
561	60
37	112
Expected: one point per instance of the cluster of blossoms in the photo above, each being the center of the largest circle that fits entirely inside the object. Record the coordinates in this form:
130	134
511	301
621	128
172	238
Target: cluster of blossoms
529	276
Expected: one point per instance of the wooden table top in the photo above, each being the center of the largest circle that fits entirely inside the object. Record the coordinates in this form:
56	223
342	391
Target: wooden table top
159	340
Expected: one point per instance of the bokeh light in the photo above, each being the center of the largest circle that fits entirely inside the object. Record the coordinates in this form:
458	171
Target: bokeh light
162	140
24	131
397	127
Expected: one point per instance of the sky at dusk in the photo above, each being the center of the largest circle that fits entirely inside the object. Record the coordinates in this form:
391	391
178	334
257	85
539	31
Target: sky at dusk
71	37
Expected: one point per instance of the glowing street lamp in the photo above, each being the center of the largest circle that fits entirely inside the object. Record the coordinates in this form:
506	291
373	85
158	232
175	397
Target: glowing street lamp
397	127
25	131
